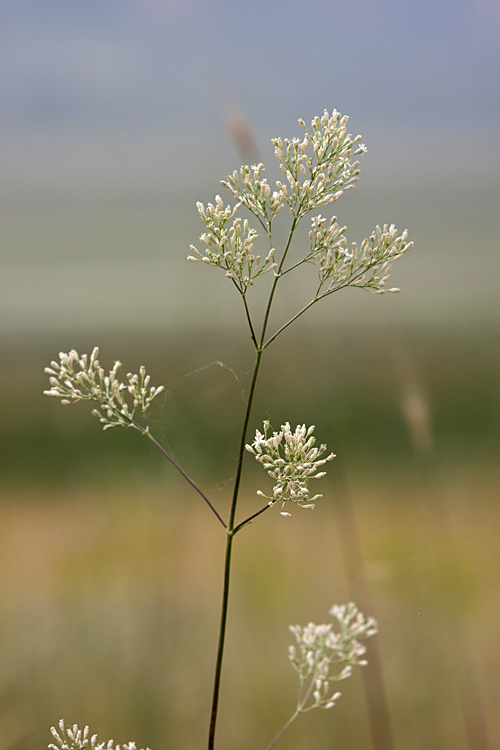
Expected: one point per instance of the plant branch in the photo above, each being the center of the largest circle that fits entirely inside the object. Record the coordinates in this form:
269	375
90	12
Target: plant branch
285	726
249	319
181	471
316	298
296	265
277	274
260	221
301	312
231	530
250	518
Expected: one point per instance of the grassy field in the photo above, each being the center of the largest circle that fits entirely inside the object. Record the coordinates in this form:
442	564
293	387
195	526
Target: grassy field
110	573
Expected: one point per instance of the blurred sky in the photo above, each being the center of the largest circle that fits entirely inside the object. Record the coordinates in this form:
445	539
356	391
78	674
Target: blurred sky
114	120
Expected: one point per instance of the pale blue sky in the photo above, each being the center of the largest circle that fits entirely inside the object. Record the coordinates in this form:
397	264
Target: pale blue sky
114	121
147	63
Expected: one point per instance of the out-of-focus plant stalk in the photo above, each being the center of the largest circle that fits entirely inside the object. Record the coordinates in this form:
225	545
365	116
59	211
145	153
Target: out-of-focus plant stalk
417	413
377	703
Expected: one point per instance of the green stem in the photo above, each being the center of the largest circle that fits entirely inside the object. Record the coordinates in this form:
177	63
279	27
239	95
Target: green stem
249	320
309	304
285	726
181	471
250	518
227	564
315	299
231	527
275	282
222	636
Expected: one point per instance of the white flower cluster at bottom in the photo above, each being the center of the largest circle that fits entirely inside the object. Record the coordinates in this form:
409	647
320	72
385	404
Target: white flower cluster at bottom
72	738
320	648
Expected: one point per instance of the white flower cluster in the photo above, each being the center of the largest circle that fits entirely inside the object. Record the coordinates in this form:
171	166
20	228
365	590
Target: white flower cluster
292	460
367	267
82	378
72	738
317	170
255	193
231	248
320	647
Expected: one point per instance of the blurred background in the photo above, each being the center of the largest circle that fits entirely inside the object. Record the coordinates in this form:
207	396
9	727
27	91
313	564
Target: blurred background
116	117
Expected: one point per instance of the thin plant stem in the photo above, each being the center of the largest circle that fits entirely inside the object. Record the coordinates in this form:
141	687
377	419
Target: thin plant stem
304	700
296	265
261	222
285	726
227	565
301	702
277	275
249	319
315	299
182	472
250	518
231	528
301	312
222	635
300	709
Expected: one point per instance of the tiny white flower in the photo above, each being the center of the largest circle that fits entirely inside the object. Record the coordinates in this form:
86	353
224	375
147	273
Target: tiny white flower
344	251
318	221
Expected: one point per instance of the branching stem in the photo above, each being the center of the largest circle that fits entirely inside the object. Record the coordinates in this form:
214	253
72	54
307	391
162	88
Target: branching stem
231	529
250	518
277	274
301	312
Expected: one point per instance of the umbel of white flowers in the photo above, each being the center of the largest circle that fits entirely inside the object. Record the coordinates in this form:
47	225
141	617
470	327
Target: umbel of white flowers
322	651
82	378
292	460
72	738
318	171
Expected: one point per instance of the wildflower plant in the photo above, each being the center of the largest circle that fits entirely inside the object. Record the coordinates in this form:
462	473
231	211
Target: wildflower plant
317	169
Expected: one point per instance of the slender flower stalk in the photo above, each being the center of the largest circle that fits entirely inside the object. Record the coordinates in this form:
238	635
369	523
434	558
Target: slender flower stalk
227	563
